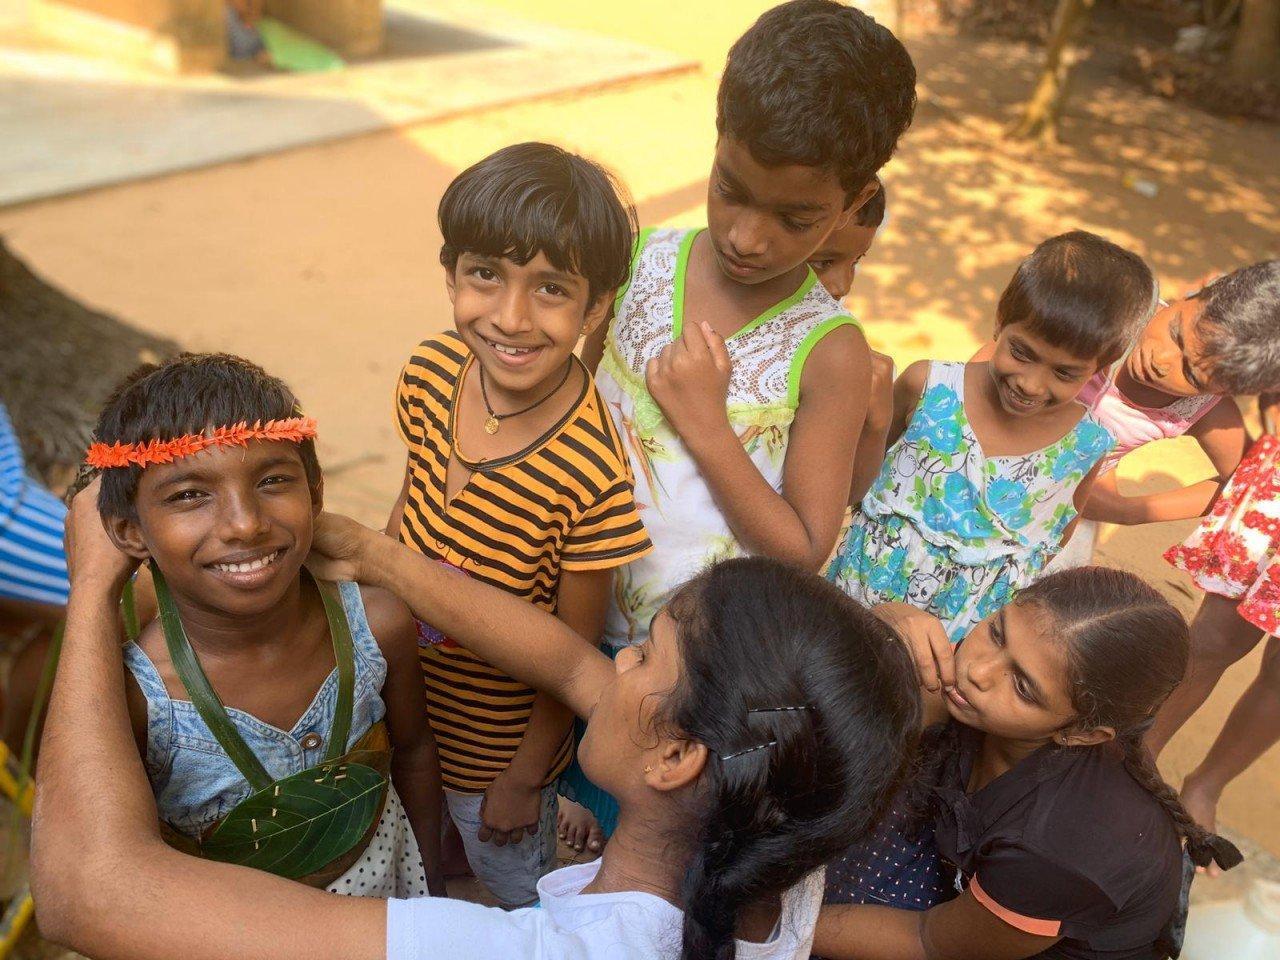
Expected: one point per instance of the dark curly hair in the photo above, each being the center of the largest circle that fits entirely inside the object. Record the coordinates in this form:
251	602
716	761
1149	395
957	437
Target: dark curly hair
808	707
818	84
190	393
532	198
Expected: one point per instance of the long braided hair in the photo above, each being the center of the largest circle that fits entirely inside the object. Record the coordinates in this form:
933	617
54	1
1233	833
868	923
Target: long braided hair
809	710
1127	649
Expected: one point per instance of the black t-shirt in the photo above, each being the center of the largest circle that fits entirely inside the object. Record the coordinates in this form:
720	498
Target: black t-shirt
1067	844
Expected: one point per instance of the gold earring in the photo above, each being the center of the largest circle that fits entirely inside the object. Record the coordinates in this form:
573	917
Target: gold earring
648	768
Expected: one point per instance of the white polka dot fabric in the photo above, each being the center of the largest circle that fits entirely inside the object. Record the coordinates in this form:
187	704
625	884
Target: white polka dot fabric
391	865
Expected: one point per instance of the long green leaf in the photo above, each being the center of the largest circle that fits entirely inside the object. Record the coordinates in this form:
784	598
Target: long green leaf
344	657
129	612
302	823
203	697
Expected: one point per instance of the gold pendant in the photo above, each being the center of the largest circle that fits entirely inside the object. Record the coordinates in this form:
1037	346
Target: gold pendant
491	425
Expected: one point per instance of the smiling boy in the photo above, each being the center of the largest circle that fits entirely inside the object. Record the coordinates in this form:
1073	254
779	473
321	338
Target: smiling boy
516	476
209	472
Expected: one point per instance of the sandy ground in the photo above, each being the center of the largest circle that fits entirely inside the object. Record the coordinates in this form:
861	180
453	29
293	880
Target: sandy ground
320	263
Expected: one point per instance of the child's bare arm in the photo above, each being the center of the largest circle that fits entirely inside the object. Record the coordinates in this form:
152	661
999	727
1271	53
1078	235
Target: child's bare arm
512	634
1221	435
397	512
689	381
875	429
960	929
512	802
907	391
415	766
107	884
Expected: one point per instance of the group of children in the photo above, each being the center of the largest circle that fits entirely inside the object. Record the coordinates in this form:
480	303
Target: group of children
725	404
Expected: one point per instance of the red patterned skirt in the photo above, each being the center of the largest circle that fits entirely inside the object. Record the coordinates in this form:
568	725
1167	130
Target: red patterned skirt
1235	552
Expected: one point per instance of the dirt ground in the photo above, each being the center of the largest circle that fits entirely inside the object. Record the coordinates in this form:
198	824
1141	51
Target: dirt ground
320	263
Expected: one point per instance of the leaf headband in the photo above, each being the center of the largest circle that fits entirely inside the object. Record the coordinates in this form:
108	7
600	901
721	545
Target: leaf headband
104	456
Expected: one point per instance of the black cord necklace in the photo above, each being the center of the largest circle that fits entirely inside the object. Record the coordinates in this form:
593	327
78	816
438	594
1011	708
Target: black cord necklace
494	421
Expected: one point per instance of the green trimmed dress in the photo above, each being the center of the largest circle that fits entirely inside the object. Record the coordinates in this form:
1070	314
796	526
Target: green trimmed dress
687	529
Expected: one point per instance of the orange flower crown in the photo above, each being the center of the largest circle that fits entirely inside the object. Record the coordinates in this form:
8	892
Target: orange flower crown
106	455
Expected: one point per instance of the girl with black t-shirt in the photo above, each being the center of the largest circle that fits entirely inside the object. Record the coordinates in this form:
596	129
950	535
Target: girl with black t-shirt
1043	804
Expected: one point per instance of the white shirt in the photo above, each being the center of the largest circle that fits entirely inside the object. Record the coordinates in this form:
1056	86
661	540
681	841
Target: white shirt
570	925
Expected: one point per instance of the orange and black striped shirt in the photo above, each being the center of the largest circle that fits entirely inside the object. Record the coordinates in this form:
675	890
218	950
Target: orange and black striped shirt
563	503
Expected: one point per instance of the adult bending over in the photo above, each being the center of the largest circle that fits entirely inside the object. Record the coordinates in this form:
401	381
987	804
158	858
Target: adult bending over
751	738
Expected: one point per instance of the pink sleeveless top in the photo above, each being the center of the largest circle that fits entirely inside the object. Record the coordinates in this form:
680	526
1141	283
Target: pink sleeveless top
1132	425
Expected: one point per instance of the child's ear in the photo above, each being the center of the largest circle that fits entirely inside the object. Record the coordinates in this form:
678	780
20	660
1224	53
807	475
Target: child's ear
858	202
126	534
1078	737
317	497
450	283
680	763
597	313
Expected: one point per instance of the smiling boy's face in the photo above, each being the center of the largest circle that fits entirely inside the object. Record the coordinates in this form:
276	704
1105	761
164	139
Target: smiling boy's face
766	221
522	321
228	527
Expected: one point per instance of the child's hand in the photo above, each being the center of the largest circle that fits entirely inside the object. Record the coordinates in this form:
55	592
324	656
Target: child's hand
923	634
689	380
509	809
90	552
1145	365
338	548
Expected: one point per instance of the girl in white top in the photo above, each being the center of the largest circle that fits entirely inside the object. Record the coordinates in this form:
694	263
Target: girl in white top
750	738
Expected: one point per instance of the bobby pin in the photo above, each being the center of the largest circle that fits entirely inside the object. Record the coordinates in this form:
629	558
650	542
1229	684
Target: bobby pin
759	746
803	706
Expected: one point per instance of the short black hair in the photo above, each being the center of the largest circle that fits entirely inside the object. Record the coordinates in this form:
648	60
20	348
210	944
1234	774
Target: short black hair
871	213
1082	293
1240	329
534	197
818	84
191	393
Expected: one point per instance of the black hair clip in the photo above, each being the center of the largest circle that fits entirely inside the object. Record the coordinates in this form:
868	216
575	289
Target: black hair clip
759	746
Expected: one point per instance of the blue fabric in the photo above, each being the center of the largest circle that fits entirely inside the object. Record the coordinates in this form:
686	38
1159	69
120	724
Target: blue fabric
512	871
33	567
194	781
896	865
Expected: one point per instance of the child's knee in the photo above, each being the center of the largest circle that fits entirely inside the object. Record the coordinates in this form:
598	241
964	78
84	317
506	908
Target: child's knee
1219	635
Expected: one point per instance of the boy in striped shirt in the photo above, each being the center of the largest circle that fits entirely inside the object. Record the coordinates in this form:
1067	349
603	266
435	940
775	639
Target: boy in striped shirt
516	476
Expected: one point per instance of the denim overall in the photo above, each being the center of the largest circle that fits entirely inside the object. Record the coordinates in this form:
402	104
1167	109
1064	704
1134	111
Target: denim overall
194	781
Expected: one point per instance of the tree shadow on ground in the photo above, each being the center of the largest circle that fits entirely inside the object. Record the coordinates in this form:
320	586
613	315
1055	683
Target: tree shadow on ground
966	205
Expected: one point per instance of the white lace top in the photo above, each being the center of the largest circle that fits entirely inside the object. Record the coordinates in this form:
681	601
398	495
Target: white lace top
768	354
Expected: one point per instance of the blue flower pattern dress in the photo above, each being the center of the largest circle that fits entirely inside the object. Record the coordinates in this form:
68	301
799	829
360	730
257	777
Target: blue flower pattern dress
952	531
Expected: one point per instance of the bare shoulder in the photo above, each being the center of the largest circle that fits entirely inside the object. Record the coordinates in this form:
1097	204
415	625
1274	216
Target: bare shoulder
1223	415
842	353
914	377
389	618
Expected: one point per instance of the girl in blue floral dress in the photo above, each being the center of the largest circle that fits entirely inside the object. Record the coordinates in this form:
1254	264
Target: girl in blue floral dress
990	460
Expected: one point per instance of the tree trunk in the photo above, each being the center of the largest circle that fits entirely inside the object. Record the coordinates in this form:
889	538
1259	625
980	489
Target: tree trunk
1255	54
1039	118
